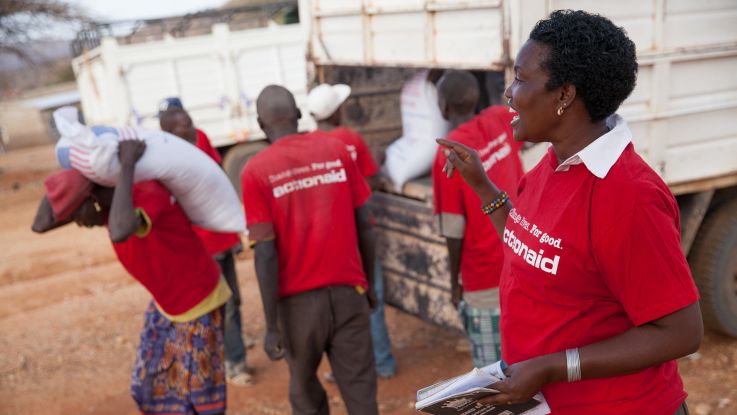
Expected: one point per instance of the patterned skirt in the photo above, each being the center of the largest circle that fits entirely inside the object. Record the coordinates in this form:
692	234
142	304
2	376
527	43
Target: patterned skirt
179	367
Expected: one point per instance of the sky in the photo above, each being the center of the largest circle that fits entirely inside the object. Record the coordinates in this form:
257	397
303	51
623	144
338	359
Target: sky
114	10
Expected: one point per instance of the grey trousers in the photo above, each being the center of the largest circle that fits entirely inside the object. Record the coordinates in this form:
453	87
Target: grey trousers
332	320
682	410
235	350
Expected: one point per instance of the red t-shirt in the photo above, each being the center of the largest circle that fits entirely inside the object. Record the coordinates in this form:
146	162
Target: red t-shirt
215	242
307	187
585	260
490	134
170	260
203	143
356	148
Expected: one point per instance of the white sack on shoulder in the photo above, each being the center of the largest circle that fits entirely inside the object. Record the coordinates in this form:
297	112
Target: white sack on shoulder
195	180
413	154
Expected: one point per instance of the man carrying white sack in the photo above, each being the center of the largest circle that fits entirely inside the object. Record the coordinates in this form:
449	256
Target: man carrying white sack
194	179
179	363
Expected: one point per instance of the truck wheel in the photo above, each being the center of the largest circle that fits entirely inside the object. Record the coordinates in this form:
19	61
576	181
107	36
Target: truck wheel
713	260
237	157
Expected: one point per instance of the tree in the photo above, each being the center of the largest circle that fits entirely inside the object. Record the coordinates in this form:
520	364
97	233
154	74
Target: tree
25	21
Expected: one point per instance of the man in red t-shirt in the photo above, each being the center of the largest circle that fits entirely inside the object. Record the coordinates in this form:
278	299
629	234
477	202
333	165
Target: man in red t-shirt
304	199
154	240
324	102
222	246
473	255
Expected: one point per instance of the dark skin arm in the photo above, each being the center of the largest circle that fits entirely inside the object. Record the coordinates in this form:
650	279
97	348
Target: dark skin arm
667	338
123	221
467	163
44	220
455	246
267	273
374	181
367	249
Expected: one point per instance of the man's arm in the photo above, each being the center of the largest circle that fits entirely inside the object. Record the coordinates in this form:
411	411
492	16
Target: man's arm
44	220
455	246
367	249
123	221
267	272
374	181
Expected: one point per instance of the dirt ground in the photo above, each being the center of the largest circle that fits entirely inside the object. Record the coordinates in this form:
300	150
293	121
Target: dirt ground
70	315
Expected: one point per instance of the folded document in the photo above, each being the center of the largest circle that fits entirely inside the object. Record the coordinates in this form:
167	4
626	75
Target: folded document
460	395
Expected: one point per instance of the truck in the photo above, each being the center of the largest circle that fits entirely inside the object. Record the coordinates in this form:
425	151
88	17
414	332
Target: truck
683	115
683	112
216	61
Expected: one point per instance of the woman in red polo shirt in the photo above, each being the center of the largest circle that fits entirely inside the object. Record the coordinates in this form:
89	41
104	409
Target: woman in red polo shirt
597	298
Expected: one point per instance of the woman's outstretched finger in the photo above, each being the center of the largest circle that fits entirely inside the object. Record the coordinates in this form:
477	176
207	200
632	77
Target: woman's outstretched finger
451	162
448	168
461	150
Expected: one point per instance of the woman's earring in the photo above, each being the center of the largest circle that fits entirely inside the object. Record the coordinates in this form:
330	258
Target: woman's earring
560	111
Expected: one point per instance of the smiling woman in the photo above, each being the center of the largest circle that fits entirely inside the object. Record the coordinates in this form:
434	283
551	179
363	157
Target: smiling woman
600	330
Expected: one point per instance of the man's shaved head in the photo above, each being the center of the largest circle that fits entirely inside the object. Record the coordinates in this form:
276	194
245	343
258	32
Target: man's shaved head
277	110
458	92
178	122
167	118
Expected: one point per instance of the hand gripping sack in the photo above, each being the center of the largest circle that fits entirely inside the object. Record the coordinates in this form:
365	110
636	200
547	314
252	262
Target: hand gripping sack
413	154
196	181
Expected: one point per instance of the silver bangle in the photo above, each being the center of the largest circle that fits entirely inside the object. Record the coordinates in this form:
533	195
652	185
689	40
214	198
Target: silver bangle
573	364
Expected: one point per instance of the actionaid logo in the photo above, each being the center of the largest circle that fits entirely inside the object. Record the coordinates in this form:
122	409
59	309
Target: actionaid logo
333	176
537	259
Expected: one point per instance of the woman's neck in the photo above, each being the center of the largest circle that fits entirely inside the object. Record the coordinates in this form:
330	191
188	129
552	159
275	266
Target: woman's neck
576	138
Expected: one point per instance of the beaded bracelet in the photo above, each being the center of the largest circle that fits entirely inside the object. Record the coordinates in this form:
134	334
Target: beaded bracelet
495	204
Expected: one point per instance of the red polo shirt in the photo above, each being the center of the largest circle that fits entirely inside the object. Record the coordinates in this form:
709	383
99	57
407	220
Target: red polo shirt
457	207
588	258
356	148
170	259
215	242
307	187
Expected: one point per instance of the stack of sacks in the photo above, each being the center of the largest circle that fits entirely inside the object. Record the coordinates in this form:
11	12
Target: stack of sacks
196	181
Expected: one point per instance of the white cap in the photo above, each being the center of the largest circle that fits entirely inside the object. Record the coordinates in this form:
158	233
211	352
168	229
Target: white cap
325	99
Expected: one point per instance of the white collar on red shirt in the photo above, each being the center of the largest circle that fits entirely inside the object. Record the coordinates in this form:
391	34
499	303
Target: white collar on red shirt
602	153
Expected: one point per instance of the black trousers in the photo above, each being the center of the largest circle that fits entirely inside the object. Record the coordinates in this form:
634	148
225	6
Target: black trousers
334	320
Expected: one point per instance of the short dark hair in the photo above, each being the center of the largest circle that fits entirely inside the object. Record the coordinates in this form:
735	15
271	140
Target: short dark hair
460	89
593	54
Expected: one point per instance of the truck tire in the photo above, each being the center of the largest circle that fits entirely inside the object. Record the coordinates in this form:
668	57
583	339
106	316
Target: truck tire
237	157
713	260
